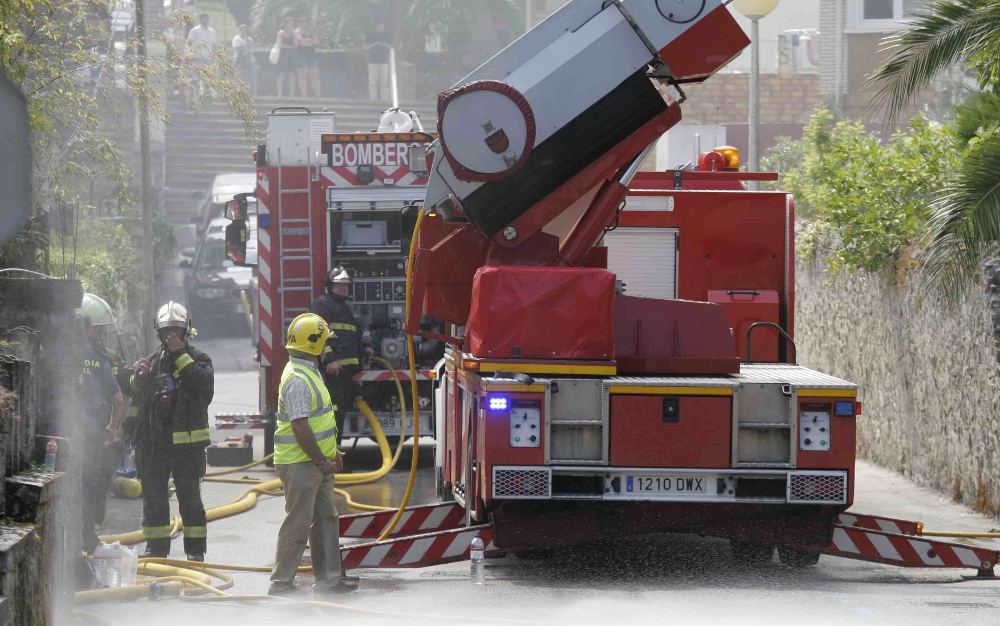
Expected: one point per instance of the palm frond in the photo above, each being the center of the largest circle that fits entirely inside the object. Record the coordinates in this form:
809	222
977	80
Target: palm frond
945	33
965	222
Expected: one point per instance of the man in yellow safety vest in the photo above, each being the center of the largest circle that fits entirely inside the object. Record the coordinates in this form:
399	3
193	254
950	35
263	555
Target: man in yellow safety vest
306	459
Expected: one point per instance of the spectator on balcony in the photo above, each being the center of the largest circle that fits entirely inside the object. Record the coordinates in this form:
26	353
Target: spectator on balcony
243	59
287	61
377	43
307	42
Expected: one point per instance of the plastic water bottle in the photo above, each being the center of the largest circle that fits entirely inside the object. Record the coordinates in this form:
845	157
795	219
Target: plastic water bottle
114	565
101	559
51	448
128	565
477	556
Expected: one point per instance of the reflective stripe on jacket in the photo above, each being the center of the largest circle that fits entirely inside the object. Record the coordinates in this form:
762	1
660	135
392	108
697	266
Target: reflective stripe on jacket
321	417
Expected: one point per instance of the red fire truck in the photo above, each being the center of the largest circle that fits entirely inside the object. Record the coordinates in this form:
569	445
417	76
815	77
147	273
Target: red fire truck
620	344
327	198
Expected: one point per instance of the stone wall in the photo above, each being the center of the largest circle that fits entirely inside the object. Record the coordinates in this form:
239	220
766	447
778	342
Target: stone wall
929	377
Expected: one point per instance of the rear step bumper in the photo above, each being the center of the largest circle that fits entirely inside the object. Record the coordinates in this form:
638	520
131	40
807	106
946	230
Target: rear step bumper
772	486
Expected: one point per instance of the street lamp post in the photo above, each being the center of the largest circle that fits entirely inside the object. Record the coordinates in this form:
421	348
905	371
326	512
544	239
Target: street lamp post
755	10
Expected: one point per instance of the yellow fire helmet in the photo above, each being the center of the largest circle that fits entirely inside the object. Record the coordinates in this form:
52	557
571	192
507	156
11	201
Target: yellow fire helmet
308	333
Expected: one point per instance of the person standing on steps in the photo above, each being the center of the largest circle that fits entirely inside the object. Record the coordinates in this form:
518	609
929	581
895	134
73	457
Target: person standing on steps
307	42
173	386
285	68
377	43
243	59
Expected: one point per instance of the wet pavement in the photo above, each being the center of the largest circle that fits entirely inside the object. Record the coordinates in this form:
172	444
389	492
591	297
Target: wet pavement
643	580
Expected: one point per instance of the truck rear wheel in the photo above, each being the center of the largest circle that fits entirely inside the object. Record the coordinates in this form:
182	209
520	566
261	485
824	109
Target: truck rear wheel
797	558
750	553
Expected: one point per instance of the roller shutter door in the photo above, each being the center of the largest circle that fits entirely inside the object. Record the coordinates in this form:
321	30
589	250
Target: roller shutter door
645	259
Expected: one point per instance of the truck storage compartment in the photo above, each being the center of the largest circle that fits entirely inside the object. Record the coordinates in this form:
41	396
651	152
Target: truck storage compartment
670	431
672	337
744	307
542	313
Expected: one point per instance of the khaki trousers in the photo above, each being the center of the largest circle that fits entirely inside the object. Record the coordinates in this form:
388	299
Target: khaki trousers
310	515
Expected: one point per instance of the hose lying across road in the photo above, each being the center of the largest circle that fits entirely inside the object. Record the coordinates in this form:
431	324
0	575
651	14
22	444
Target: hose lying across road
273	487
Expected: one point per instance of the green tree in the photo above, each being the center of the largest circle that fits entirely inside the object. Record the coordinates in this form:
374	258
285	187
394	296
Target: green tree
865	201
965	223
80	83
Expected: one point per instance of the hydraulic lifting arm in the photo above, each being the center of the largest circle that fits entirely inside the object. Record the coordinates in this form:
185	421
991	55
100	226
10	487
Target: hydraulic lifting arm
537	146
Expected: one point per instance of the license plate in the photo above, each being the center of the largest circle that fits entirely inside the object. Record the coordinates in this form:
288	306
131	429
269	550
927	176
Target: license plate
390	425
686	485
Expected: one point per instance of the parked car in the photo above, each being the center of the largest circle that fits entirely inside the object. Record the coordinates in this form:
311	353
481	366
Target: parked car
216	290
223	188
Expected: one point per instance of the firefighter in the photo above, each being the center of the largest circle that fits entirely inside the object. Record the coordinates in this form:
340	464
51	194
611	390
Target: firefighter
173	388
105	407
341	358
306	459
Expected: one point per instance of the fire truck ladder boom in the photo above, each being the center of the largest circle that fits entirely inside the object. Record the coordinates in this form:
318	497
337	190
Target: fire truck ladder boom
292	282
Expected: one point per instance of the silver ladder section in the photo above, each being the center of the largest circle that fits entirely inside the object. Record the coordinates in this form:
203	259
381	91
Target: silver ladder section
289	227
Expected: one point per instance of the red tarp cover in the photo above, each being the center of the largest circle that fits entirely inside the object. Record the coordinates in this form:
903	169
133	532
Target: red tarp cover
542	313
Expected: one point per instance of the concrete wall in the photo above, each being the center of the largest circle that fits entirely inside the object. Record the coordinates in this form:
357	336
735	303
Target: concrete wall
929	377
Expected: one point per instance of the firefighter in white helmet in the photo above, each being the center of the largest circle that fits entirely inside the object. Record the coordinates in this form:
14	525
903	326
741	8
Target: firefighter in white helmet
341	357
306	459
105	407
173	387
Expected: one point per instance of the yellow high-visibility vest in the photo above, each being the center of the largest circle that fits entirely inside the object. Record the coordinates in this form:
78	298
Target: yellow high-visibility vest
321	418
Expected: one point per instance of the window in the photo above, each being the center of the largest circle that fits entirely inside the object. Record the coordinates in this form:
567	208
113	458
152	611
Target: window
876	15
877	10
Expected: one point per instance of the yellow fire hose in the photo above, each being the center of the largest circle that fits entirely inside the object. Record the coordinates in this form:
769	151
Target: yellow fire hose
414	395
271	487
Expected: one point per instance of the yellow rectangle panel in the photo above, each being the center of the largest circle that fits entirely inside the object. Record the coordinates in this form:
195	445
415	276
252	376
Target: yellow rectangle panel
828	393
514	388
669	391
548	368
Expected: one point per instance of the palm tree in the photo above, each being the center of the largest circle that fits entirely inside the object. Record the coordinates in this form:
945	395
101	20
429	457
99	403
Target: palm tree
965	218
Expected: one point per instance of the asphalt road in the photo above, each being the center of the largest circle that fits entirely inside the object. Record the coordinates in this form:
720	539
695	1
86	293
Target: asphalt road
678	579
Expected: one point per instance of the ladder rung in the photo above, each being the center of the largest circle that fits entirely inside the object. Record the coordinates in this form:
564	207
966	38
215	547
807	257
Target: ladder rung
296	220
287	191
287	289
296	258
297	251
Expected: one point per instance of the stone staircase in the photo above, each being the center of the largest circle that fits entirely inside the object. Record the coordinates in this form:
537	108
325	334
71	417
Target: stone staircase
210	141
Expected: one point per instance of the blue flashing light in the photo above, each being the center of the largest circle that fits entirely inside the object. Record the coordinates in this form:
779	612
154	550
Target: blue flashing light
843	408
499	403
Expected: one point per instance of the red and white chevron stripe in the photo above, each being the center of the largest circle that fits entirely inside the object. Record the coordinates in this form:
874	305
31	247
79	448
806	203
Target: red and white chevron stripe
907	551
245	421
446	546
264	265
347	176
885	524
415	520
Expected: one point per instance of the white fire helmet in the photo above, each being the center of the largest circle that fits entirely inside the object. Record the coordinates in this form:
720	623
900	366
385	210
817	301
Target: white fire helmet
172	315
338	276
96	311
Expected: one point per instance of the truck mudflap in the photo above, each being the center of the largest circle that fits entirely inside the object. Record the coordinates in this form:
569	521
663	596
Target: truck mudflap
445	546
414	521
898	542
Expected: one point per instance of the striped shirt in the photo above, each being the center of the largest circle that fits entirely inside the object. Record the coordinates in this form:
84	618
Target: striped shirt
296	394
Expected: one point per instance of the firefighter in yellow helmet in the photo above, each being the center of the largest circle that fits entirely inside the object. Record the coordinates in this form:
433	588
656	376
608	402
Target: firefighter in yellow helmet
306	459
